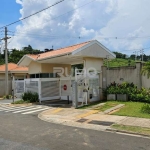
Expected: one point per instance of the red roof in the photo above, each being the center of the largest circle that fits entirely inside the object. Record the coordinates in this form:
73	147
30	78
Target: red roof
58	51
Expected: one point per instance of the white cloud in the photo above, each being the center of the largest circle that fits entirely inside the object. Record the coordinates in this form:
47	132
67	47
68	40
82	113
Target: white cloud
101	18
19	1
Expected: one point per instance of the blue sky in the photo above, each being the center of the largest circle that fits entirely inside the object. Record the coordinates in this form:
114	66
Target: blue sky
120	25
9	12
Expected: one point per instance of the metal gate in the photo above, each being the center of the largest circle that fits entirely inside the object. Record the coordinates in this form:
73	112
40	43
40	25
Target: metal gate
18	86
87	85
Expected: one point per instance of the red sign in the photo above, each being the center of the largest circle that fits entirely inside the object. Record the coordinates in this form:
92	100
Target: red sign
65	87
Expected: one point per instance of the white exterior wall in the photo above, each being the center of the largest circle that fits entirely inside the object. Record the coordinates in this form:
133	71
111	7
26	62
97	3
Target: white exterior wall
34	68
95	63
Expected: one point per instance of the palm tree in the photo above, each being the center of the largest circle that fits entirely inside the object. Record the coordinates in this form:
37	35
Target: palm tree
146	69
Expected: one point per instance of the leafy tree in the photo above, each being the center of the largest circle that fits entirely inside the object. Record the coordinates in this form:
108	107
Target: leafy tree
146	69
120	55
15	55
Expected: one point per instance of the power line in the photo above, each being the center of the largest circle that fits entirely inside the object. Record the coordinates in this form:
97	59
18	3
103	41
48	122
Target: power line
54	17
32	14
135	49
113	38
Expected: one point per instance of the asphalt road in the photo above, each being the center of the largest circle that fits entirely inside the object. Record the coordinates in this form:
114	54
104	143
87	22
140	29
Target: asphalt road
27	132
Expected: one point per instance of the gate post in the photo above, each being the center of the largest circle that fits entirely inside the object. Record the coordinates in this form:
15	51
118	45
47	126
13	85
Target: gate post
74	95
39	90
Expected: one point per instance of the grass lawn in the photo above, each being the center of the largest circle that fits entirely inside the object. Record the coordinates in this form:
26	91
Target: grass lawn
132	129
132	109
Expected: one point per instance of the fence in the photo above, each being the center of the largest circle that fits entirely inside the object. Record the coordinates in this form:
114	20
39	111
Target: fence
18	88
2	87
49	88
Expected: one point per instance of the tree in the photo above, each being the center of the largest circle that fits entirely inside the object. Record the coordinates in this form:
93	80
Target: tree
120	55
146	69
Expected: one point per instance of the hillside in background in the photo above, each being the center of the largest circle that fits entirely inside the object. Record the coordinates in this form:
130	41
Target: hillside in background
118	62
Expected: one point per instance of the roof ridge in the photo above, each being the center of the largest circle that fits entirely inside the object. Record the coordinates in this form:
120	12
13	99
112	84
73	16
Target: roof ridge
72	45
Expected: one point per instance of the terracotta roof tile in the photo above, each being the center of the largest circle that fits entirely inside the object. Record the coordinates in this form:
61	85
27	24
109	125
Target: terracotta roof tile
20	69
58	51
13	67
10	66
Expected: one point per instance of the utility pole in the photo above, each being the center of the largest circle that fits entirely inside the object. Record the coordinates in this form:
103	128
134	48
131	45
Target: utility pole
6	62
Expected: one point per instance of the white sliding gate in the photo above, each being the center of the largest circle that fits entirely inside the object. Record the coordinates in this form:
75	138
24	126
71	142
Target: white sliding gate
49	88
18	87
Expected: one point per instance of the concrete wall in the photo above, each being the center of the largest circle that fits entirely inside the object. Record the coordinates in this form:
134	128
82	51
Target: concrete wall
2	76
125	74
145	82
2	87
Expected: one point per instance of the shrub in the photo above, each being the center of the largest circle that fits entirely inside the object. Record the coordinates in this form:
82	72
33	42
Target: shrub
29	96
134	94
146	108
7	97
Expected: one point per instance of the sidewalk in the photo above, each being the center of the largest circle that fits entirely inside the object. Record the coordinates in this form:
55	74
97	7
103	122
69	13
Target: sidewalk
8	101
90	119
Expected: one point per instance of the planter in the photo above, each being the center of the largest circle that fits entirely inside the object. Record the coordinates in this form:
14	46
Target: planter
111	97
122	97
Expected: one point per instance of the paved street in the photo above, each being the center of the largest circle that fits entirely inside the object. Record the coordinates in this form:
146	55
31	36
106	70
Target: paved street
23	109
27	132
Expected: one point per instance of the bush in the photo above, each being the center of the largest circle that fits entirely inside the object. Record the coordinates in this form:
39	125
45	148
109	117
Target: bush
134	94
7	97
29	96
146	108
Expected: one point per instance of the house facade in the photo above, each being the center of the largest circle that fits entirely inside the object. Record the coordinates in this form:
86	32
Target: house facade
56	65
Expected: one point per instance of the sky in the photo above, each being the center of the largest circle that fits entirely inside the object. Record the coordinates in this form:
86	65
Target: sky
120	25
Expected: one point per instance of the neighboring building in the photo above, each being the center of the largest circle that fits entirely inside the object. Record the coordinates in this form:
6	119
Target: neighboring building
90	54
14	72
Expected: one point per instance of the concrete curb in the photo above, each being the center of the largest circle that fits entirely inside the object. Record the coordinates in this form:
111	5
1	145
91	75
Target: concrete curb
73	123
26	104
127	132
113	108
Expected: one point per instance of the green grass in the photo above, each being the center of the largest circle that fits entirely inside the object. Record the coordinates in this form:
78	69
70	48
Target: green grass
132	129
132	109
118	62
21	102
108	105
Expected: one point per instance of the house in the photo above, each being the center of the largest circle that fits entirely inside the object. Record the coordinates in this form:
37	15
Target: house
14	72
44	69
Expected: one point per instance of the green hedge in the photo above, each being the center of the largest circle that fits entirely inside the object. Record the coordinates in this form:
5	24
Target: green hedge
29	96
134	94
